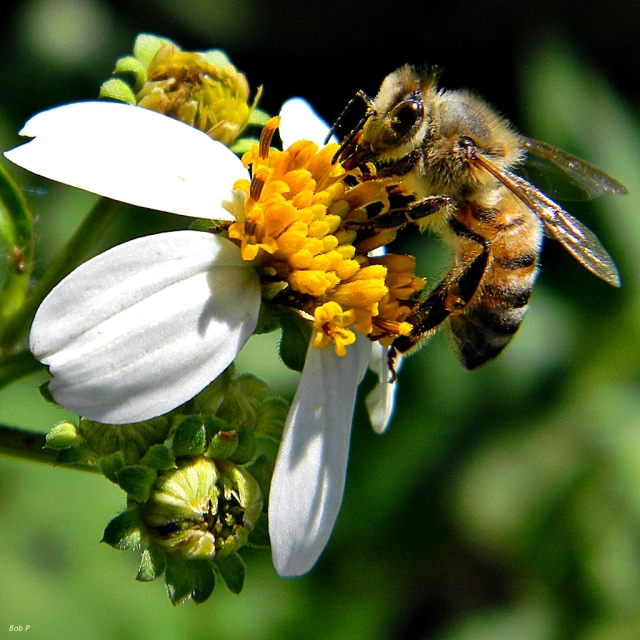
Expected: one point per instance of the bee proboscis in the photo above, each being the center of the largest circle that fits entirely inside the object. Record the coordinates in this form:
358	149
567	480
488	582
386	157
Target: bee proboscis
456	156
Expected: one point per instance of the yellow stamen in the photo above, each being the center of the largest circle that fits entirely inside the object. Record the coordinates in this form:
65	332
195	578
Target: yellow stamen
300	221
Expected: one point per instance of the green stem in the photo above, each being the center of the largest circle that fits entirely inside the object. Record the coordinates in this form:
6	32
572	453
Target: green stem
29	445
69	257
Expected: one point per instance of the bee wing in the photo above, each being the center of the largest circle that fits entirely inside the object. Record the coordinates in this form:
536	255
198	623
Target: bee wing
579	241
565	175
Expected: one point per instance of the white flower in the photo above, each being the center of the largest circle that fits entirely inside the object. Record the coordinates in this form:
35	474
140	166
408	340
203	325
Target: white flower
143	327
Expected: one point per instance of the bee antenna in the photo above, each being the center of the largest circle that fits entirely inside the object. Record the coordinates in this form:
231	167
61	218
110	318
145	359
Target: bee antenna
360	95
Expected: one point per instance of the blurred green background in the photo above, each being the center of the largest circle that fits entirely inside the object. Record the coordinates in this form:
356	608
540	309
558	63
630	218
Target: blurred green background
501	504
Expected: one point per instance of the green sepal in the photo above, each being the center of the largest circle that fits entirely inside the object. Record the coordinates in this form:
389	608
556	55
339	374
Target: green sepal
133	66
240	410
46	394
209	225
272	416
158	457
232	571
246	448
223	444
189	437
63	436
189	579
208	401
125	531
268	319
111	464
217	58
152	564
242	145
259	537
261	469
73	454
132	439
16	247
117	89
137	481
204	580
147	45
296	335
258	117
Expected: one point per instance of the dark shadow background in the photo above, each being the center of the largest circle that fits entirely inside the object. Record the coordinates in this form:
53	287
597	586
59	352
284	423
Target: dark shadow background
503	504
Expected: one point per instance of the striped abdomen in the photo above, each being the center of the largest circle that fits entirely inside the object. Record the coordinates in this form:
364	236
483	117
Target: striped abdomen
483	327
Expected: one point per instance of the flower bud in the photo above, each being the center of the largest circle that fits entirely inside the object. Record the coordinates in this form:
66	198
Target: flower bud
204	509
202	89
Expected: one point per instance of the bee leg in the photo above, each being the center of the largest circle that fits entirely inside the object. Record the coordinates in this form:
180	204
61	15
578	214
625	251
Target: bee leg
415	211
450	296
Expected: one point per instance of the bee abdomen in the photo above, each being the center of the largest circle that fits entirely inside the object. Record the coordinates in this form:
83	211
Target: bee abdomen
480	333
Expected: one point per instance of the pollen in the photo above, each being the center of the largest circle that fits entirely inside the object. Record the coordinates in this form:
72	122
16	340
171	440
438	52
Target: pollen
300	226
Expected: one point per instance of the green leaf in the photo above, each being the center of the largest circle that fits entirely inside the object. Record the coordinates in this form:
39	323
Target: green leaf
189	438
125	531
158	457
16	247
296	335
152	564
232	570
137	481
64	435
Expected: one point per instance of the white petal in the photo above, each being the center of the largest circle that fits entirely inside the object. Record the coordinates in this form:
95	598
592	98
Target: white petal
309	476
298	121
382	397
143	327
134	155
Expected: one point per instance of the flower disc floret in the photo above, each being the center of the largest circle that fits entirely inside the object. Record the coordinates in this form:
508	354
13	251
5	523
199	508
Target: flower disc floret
298	209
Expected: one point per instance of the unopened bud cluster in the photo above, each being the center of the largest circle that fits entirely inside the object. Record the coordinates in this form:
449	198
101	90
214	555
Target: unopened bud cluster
194	479
202	89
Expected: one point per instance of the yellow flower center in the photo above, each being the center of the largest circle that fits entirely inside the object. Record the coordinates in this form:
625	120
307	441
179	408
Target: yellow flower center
300	229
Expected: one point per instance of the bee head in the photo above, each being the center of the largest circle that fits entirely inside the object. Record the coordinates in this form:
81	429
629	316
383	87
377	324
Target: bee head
398	118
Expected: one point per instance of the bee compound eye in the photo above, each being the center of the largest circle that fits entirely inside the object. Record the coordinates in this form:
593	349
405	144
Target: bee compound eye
406	117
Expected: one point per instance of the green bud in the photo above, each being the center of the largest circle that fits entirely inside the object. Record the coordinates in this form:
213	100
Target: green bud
189	437
137	481
203	509
202	89
223	444
64	435
125	531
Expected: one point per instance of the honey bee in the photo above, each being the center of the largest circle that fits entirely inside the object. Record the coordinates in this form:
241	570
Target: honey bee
456	157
